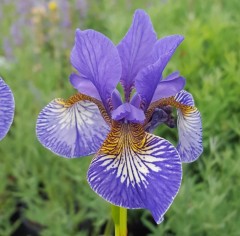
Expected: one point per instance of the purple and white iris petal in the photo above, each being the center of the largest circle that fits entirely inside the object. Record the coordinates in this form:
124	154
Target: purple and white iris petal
128	112
168	88
71	131
7	107
189	129
84	86
185	98
96	58
135	49
165	48
147	178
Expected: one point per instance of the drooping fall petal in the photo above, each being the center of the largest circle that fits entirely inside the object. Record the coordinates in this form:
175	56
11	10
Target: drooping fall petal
71	128
136	170
7	106
189	128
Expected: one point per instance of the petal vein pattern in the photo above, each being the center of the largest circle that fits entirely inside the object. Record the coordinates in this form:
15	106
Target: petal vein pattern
189	128
135	49
96	58
143	174
71	129
7	106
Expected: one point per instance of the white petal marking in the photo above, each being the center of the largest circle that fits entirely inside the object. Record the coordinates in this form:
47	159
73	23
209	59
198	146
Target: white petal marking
189	129
138	178
73	131
7	107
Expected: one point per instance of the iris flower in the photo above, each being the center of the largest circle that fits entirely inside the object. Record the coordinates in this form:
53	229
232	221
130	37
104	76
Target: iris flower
6	108
131	168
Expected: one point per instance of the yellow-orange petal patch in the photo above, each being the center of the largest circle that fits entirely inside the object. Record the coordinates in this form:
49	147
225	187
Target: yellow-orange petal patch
123	135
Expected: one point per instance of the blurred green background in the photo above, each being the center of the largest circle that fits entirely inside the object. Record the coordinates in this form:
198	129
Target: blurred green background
42	194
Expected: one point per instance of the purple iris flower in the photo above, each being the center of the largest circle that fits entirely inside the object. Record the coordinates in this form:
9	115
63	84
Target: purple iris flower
7	106
132	167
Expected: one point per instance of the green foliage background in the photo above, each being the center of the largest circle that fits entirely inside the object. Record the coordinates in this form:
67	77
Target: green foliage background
50	192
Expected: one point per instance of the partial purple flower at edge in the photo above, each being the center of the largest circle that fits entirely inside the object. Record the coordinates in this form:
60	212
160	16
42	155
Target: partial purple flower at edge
131	168
7	107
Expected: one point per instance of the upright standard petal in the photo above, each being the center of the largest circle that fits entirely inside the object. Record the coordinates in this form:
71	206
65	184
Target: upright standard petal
71	128
165	48
7	107
96	59
147	81
135	49
189	128
134	169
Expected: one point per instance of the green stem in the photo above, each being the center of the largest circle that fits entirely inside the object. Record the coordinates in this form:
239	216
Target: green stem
119	215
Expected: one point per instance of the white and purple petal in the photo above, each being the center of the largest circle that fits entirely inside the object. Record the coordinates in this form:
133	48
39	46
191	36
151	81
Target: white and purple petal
71	130
135	49
7	106
189	128
148	177
96	58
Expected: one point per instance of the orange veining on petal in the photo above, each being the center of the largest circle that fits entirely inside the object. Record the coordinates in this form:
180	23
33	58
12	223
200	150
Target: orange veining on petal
123	135
82	97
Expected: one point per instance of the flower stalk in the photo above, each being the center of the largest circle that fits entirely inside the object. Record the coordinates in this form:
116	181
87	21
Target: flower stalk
119	216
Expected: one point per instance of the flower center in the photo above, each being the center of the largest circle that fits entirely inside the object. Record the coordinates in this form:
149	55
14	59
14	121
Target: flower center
123	135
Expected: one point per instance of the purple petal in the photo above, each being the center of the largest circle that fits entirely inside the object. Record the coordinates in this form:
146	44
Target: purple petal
135	49
84	86
148	177
7	107
71	130
172	76
136	100
185	98
165	48
96	59
147	81
116	99
189	128
128	112
168	88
